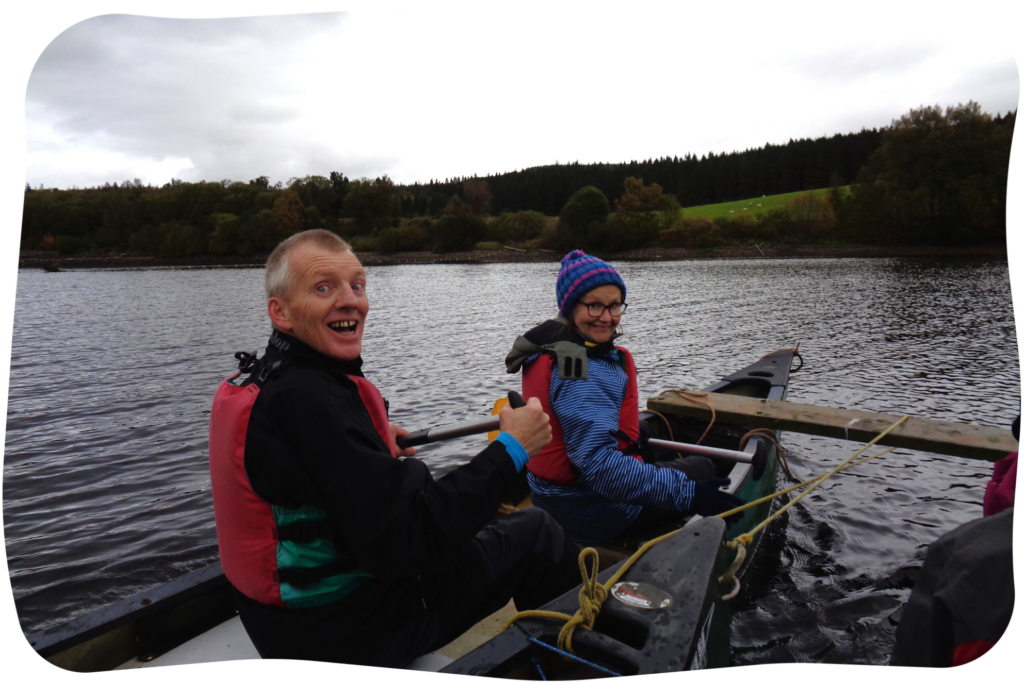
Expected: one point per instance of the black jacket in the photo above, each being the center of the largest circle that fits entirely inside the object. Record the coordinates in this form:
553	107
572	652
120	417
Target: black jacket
963	595
310	440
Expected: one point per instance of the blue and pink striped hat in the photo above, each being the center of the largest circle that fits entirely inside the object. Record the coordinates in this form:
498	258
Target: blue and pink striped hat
581	273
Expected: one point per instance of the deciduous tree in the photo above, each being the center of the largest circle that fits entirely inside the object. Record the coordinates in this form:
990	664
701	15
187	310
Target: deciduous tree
586	208
939	177
477	195
638	198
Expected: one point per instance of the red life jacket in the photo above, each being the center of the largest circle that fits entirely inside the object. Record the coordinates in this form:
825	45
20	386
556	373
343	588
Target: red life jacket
552	463
246	528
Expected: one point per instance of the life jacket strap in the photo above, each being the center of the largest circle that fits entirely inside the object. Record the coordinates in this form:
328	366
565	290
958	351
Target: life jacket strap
306	531
300	578
627	445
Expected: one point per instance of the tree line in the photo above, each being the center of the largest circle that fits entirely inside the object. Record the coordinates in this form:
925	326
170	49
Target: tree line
773	169
933	176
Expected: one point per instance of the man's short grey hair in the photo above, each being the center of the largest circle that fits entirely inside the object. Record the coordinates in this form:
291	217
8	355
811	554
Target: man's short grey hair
278	274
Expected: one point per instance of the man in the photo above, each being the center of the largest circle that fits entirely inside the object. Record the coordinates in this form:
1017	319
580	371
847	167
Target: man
340	546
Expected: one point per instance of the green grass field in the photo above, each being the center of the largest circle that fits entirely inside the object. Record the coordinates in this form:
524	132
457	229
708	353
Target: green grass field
712	211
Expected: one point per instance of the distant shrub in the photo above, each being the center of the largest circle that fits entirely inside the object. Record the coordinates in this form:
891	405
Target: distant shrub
517	227
69	246
345	228
622	232
178	239
249	241
636	198
691	233
145	240
407	237
813	215
585	208
745	228
457	232
225	235
778	225
486	246
363	244
421	223
550	238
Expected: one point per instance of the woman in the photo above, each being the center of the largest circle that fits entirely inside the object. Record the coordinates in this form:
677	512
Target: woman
591	476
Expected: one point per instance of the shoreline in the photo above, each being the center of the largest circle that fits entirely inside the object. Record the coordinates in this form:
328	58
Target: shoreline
41	260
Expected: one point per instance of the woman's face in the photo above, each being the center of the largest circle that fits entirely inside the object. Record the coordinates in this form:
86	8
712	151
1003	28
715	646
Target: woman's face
599	328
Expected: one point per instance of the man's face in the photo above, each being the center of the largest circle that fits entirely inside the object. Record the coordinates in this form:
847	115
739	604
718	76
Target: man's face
326	303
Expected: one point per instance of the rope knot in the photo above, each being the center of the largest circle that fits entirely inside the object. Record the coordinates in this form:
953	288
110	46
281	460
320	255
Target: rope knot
592	596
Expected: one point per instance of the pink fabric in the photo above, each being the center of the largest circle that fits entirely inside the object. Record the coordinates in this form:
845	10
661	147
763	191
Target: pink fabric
965	653
1000	490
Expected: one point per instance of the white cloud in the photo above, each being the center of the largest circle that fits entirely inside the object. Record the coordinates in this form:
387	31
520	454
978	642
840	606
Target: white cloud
425	93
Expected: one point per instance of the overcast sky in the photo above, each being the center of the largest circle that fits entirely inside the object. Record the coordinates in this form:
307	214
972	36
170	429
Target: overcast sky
426	93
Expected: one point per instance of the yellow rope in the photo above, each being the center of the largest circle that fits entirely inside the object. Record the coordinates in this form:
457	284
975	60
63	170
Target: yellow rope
790	489
593	594
748	537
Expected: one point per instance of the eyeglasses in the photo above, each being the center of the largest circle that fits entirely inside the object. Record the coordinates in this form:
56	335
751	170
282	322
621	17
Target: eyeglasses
597	309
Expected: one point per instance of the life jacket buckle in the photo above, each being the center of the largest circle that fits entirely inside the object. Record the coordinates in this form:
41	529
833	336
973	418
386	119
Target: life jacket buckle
246	361
267	369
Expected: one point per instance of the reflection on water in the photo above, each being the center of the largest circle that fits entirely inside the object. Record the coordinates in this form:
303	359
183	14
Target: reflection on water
106	490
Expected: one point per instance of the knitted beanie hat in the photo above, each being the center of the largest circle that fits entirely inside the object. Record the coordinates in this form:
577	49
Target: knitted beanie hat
579	274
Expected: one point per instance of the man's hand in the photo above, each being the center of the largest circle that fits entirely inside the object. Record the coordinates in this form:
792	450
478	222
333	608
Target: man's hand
397	431
528	425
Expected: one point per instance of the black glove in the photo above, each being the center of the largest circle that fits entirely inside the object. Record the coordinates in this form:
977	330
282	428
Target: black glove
708	500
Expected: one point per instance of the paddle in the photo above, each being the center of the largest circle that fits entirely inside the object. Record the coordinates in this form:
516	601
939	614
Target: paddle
490	427
706	451
440	433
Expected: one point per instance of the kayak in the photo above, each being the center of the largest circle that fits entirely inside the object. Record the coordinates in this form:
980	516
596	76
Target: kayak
668	612
193	619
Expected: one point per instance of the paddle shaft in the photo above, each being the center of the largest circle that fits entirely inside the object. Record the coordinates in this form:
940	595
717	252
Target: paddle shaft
440	433
706	451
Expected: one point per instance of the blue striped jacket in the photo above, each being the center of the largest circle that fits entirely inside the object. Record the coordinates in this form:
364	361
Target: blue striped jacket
610	488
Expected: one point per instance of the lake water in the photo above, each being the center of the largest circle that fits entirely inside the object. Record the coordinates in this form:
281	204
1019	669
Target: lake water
106	488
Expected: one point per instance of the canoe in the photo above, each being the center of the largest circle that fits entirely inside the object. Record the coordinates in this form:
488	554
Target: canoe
193	619
668	612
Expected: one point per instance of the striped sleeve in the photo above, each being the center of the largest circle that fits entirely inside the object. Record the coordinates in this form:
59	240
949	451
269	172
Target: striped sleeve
587	411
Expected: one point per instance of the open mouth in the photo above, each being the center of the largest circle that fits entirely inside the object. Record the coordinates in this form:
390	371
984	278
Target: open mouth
345	327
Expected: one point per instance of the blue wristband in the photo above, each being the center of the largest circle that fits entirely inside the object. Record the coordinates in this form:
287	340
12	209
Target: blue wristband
514	449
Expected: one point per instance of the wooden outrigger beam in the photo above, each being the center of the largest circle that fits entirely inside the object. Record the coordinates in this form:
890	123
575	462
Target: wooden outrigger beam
940	437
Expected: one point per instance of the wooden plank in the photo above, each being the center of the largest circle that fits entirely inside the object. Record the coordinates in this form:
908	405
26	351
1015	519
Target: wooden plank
941	437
